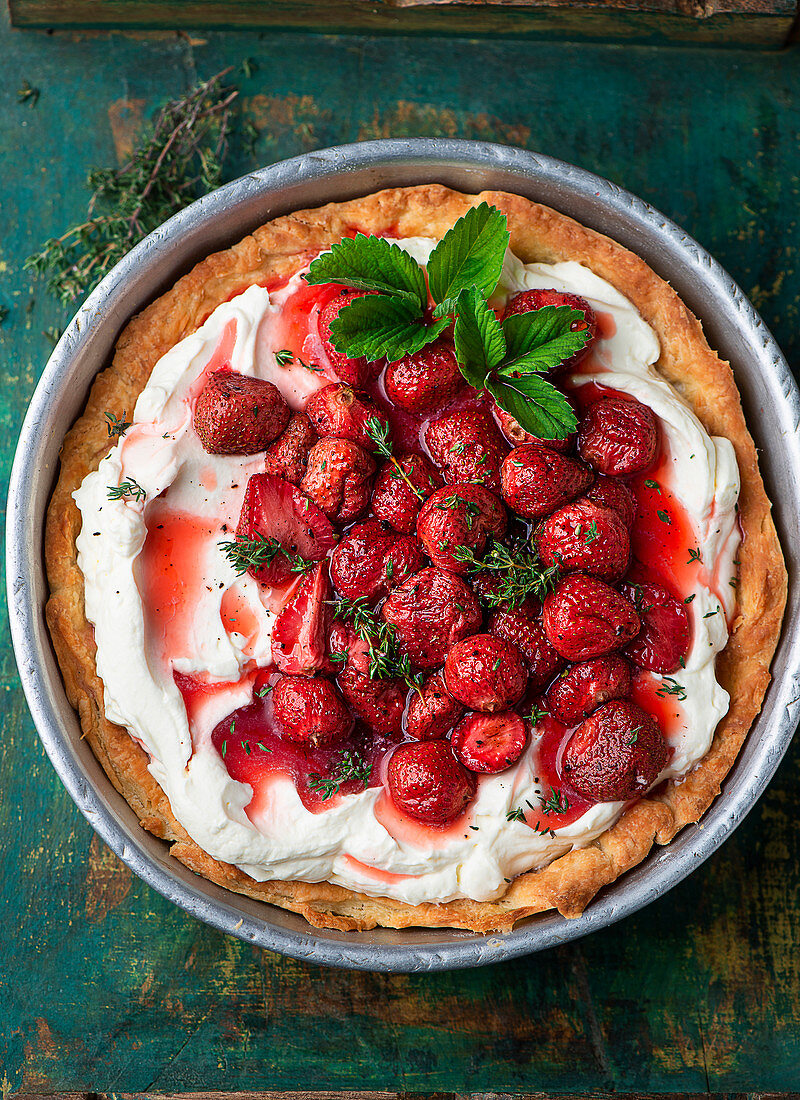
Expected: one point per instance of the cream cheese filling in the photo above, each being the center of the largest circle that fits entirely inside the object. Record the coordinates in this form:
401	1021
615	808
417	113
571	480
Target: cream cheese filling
359	841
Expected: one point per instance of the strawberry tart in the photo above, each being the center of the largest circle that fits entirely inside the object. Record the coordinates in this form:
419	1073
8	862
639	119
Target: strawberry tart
411	565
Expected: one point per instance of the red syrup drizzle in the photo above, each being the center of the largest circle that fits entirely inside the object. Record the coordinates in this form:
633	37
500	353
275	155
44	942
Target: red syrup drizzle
250	742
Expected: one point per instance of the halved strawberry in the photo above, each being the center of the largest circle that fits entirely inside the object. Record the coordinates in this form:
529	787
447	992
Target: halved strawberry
300	632
275	512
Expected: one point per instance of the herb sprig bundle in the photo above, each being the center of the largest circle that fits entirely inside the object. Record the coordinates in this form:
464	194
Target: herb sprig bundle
393	319
518	571
350	767
254	553
180	160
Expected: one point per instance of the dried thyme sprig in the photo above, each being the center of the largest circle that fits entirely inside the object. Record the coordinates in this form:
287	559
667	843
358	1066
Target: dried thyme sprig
180	159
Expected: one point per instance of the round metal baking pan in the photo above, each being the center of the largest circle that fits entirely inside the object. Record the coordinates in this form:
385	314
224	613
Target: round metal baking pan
772	406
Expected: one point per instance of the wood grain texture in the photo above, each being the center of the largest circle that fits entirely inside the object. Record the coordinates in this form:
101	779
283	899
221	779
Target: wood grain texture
753	23
106	987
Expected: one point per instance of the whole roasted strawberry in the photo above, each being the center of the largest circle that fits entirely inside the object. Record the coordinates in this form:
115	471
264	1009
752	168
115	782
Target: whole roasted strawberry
432	712
586	686
338	478
523	627
585	537
467	446
516	434
617	753
489	743
355	372
586	618
537	480
371	559
530	300
310	711
485	673
664	639
346	413
238	415
397	502
426	380
378	703
300	632
428	783
288	455
430	612
462	514
277	523
618	436
613	493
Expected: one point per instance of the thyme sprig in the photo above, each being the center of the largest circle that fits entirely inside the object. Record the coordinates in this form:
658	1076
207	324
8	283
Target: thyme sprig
116	425
379	434
254	553
557	803
178	161
127	490
518	569
351	766
386	662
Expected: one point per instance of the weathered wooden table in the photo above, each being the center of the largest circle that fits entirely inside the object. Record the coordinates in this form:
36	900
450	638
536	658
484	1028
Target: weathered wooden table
104	986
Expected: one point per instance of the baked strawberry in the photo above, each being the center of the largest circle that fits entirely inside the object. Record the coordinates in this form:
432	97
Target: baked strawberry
664	639
516	434
462	514
537	480
394	500
310	711
235	414
617	753
355	372
277	517
489	743
586	686
618	436
338	478
300	632
378	703
467	446
523	627
430	612
432	712
585	537
428	783
426	380
612	493
340	410
585	618
485	673
370	560
530	300
288	455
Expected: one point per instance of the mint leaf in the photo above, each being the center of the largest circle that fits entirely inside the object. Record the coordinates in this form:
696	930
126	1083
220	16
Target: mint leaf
543	338
536	403
469	254
380	326
371	263
480	344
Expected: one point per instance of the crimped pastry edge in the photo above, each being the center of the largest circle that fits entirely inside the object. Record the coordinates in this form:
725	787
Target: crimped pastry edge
538	233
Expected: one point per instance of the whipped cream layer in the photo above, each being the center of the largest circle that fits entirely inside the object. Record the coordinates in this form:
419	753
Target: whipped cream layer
359	841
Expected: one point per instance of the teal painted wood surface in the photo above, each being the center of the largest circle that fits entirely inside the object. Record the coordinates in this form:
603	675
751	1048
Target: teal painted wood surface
104	986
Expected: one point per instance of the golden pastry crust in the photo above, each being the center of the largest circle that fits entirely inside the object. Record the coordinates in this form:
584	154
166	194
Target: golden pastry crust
278	249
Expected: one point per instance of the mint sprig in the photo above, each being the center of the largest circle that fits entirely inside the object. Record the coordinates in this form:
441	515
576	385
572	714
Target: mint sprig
381	326
508	359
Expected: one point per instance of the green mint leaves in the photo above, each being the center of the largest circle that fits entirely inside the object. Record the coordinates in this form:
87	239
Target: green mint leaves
507	359
371	263
469	254
393	319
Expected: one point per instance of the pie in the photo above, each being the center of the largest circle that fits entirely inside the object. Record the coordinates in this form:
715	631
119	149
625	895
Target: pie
353	641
